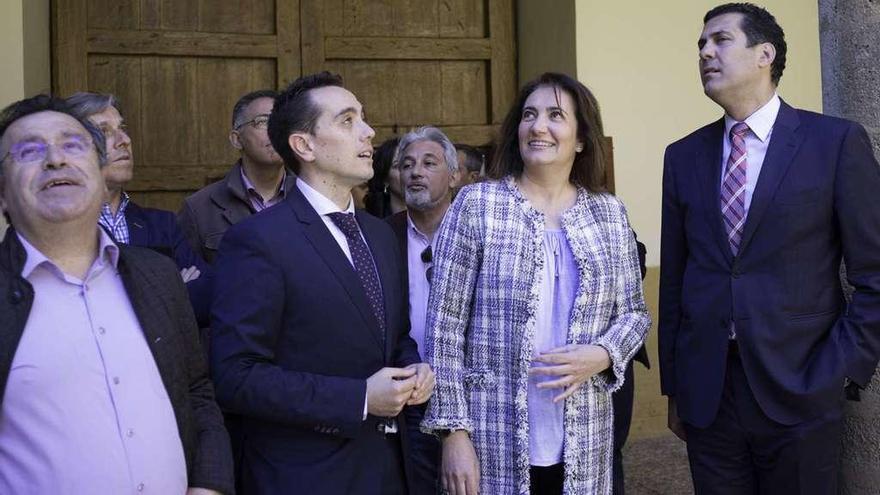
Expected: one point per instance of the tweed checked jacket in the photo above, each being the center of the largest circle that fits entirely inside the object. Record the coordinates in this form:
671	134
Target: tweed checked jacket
481	319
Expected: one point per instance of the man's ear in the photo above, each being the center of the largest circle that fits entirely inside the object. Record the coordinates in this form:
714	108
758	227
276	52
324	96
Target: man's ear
235	140
302	146
455	177
767	55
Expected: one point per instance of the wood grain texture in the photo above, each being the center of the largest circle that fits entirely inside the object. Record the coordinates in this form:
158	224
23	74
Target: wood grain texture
69	50
183	43
289	60
462	19
387	48
503	63
311	35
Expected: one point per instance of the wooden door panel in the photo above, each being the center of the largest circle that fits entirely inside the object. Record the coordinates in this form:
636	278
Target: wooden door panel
178	66
417	62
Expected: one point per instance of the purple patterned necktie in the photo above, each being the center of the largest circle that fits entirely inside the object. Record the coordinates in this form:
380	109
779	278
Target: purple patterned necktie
733	187
363	264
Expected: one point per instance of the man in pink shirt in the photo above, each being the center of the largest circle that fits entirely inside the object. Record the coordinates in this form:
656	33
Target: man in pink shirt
103	384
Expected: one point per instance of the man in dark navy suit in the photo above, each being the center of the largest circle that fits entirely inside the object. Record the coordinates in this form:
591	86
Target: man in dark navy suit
759	209
310	335
130	223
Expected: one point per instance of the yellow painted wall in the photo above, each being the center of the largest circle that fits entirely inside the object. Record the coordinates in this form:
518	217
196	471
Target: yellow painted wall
24	56
640	59
11	54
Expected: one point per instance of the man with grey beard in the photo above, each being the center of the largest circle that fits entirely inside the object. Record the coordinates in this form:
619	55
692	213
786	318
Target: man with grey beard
429	170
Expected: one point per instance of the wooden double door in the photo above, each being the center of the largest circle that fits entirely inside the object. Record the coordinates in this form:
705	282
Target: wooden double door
178	66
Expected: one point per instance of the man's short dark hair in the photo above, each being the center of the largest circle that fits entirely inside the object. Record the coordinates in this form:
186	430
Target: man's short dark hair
759	26
244	101
295	111
46	103
473	158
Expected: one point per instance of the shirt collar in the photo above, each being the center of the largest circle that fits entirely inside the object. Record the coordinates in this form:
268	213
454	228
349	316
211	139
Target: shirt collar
413	230
249	186
760	122
123	204
108	253
321	203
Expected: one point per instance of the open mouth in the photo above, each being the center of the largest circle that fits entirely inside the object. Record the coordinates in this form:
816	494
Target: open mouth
366	154
540	144
55	183
416	187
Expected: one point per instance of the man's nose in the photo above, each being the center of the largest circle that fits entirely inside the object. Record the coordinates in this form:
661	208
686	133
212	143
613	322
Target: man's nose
55	158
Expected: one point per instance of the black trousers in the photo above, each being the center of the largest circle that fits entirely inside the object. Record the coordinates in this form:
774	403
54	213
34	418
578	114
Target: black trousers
424	453
623	411
743	452
546	480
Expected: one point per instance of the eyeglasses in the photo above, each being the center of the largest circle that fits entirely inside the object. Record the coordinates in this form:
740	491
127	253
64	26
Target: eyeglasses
37	151
428	259
259	122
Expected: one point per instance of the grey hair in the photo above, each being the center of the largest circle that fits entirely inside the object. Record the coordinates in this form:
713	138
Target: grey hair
427	133
86	104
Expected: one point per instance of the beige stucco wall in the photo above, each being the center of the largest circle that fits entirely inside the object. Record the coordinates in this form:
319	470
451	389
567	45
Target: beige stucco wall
640	59
11	55
24	56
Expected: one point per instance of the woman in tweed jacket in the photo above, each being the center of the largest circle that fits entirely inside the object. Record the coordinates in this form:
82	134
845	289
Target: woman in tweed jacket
497	297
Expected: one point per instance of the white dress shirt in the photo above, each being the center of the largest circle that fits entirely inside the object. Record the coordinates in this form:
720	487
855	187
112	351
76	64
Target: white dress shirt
757	141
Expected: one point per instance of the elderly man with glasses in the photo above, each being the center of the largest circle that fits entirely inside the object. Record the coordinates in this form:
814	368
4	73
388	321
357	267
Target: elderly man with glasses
130	223
429	170
257	181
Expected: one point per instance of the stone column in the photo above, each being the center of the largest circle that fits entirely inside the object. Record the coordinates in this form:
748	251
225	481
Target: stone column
850	42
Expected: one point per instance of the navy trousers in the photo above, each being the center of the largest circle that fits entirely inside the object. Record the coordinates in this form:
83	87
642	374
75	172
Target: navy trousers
743	452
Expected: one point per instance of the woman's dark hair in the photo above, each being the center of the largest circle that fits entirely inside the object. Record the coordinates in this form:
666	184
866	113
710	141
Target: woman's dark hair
588	170
378	200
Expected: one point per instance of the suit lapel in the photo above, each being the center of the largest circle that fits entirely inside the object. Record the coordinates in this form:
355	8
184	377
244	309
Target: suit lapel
232	199
144	300
708	168
327	248
137	226
784	143
386	278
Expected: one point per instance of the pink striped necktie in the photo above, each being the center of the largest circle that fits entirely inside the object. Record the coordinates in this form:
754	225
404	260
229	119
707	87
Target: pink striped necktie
733	187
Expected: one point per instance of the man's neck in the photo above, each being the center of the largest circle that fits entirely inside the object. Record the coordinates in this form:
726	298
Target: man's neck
428	220
739	108
114	198
266	179
72	246
339	194
397	203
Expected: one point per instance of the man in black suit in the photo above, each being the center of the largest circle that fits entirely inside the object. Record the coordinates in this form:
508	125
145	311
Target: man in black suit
103	383
310	341
759	208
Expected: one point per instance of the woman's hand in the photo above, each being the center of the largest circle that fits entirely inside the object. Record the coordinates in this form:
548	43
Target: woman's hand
459	468
574	363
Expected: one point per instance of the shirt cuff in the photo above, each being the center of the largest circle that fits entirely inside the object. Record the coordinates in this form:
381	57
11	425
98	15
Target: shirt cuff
365	407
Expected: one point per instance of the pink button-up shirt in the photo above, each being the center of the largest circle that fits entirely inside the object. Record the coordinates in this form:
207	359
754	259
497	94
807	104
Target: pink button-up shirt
85	409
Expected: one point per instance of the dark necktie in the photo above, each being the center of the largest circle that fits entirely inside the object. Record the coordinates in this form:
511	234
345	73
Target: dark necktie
363	264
